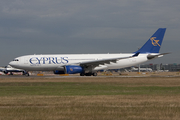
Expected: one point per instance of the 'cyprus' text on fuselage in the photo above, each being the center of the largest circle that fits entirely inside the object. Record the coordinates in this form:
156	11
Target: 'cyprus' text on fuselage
48	60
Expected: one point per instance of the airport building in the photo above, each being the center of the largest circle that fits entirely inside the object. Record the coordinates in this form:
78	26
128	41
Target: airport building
153	67
161	67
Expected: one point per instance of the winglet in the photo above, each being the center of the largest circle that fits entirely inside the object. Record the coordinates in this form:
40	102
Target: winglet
136	54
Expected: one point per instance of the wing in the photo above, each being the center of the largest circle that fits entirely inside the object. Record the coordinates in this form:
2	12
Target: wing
105	61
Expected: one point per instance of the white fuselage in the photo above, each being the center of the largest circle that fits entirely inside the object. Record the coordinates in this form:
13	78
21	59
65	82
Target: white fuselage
56	61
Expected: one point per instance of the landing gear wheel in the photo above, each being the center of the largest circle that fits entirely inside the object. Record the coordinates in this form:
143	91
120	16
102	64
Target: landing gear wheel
27	74
94	74
82	74
88	74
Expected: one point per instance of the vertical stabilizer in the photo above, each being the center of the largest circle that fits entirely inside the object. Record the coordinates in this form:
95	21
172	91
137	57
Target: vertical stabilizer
153	45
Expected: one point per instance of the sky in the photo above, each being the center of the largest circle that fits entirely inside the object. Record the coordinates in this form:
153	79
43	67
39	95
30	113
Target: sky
87	26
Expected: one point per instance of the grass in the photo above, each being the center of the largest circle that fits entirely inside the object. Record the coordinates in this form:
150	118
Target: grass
82	89
90	98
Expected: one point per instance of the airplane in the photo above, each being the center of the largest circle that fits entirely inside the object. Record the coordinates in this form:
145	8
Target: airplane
89	64
141	69
10	69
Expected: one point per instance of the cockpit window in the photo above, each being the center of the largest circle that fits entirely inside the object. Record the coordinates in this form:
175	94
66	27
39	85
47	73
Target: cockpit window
16	60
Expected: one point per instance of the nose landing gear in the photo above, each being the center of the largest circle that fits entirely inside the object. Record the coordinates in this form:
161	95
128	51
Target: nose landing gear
26	73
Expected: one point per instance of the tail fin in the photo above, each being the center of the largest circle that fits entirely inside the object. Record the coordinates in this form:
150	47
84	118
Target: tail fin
154	43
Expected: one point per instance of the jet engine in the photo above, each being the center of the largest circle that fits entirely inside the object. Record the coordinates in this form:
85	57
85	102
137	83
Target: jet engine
71	69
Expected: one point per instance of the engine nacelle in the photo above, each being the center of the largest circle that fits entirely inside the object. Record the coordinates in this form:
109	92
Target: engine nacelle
71	69
59	72
5	72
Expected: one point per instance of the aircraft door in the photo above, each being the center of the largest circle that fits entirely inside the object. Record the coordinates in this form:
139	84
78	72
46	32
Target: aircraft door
132	59
26	60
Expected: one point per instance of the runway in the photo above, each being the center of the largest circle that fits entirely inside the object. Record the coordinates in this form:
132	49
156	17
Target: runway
100	75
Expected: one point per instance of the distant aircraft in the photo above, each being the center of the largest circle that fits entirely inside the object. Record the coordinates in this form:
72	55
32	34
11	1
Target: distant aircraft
10	69
141	69
88	64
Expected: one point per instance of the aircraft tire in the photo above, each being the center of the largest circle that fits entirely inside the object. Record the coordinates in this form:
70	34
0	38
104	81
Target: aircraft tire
94	74
27	74
82	74
88	74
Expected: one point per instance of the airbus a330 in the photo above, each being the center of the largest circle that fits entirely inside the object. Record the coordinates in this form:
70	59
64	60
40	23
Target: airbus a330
89	64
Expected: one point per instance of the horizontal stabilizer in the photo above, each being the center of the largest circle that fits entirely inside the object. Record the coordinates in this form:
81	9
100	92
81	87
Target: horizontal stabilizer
149	57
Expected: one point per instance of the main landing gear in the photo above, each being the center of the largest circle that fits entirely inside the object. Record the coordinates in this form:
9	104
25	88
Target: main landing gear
88	74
